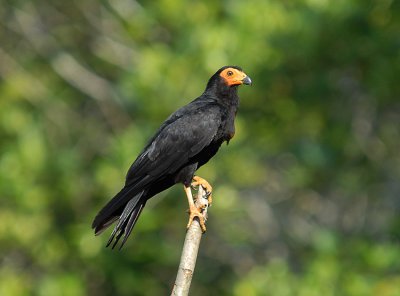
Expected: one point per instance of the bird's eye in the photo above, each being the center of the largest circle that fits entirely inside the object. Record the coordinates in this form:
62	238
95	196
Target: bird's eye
230	73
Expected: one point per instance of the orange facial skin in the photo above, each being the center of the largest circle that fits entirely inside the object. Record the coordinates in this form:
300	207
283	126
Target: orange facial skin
234	76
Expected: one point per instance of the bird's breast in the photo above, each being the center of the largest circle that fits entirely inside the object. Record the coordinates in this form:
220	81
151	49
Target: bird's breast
229	128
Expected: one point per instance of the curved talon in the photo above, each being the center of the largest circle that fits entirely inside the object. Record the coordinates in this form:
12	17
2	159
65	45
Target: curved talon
195	212
197	181
200	181
209	199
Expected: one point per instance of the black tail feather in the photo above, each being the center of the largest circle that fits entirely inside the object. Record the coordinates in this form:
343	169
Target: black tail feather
128	210
126	217
132	221
113	209
127	220
99	229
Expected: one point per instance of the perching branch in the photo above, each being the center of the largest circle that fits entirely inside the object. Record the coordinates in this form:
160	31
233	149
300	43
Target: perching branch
190	249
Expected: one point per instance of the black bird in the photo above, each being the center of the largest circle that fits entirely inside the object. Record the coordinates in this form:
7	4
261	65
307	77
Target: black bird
184	142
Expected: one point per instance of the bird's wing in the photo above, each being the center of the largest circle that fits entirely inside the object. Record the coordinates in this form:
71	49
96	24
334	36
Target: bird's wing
175	143
182	136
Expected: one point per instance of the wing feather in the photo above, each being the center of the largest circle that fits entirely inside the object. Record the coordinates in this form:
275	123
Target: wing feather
175	143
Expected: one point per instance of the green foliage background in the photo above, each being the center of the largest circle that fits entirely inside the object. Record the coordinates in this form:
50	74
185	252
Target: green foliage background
306	198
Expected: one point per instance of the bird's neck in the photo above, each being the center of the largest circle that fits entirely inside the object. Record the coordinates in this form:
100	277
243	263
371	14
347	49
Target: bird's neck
226	96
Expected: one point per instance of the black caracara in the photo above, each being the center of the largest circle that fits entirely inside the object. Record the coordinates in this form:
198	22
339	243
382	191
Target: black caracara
183	143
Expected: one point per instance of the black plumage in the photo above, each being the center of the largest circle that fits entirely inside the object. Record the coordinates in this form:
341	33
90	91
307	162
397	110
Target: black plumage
183	143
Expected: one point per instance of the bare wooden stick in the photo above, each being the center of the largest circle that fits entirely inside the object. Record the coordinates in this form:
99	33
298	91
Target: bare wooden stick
190	249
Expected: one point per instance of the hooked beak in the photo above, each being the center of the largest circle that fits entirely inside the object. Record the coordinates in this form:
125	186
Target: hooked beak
247	80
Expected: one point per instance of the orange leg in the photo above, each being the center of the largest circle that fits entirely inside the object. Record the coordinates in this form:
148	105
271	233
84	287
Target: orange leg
194	211
197	181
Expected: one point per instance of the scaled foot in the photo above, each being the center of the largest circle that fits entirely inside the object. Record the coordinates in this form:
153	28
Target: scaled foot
198	181
195	212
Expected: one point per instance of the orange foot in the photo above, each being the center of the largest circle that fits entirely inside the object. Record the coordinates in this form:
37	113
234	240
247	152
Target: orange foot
195	212
197	181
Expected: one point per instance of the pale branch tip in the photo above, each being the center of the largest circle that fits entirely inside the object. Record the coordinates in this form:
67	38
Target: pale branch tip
190	249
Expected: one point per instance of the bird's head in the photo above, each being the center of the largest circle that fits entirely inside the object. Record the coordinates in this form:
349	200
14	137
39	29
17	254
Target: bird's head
233	75
227	79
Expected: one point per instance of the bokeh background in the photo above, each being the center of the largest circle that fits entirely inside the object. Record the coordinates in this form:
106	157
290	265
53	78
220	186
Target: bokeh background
306	198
